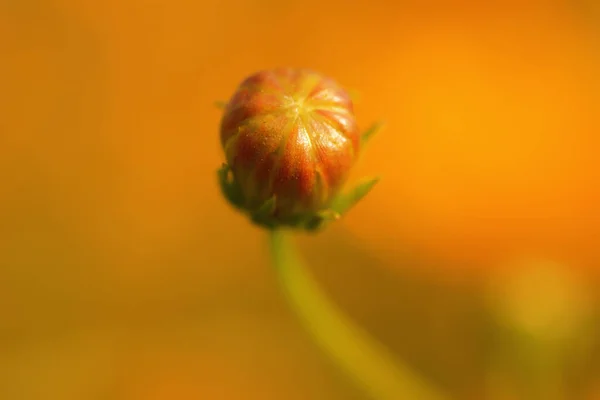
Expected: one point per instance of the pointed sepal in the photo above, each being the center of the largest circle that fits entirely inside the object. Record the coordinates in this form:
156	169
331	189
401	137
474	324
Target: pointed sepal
370	132
354	95
346	201
321	219
229	186
264	214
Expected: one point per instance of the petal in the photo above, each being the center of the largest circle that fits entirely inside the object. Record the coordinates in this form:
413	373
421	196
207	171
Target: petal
294	180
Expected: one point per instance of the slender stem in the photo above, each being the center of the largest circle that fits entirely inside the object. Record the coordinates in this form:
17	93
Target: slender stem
356	353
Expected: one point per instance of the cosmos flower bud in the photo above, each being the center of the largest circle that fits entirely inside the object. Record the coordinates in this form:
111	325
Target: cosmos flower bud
290	138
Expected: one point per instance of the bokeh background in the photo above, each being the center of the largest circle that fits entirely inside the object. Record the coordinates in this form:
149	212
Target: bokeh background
124	275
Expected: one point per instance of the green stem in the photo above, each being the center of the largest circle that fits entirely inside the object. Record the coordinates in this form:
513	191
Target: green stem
356	353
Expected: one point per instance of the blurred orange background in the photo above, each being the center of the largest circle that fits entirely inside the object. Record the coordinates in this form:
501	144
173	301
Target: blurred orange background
125	275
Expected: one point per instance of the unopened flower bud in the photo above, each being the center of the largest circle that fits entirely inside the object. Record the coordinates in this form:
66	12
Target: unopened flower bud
290	139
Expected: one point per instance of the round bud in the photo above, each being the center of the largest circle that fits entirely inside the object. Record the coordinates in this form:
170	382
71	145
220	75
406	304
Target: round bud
290	139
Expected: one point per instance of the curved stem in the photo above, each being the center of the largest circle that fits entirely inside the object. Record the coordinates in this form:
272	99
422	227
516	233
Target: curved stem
356	353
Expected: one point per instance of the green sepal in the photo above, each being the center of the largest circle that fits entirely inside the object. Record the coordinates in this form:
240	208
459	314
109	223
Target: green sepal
354	95
264	214
346	201
370	132
321	219
229	187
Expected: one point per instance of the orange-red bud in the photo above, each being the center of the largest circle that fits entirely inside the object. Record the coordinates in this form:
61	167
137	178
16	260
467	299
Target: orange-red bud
289	135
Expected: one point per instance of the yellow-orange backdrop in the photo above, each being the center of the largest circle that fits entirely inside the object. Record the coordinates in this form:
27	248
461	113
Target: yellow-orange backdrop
112	224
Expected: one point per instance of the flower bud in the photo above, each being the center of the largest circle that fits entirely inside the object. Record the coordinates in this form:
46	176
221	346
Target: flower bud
290	139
